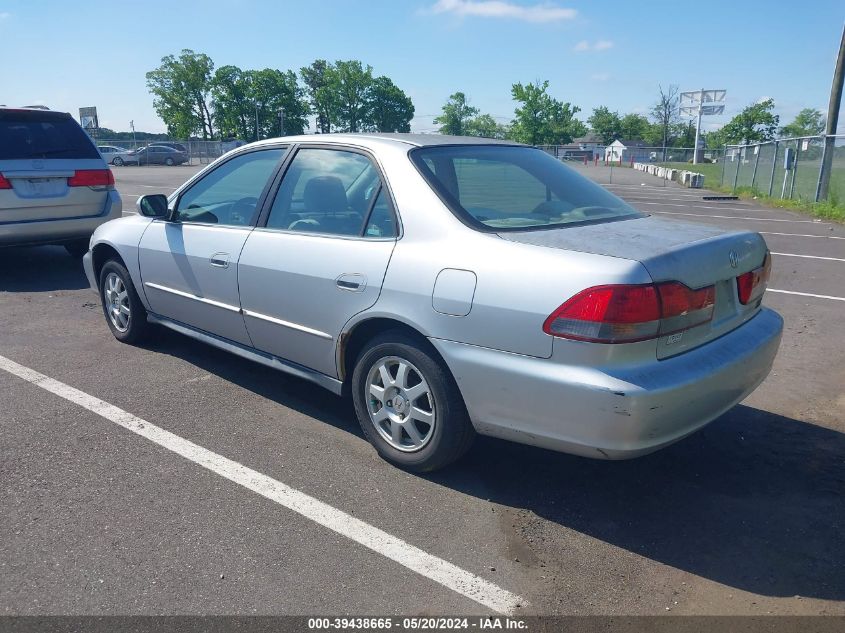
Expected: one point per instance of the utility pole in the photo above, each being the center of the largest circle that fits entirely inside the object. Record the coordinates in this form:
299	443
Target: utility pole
281	121
832	119
698	128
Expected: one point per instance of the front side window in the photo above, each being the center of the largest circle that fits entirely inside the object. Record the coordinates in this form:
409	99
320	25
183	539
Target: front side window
500	188
333	192
229	194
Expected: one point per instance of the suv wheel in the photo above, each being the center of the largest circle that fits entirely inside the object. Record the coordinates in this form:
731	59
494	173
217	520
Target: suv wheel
125	315
408	404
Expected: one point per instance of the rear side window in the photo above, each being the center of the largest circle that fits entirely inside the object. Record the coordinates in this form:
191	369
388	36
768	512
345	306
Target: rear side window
333	192
501	188
42	135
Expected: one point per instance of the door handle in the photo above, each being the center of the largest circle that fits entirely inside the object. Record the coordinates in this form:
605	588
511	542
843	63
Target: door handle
352	282
219	260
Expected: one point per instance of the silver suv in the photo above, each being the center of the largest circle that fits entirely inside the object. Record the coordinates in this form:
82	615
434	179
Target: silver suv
55	187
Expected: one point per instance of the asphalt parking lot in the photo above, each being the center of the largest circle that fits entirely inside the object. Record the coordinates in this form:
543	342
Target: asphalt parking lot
744	517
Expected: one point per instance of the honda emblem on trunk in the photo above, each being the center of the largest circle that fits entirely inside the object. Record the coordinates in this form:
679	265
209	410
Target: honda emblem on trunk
734	259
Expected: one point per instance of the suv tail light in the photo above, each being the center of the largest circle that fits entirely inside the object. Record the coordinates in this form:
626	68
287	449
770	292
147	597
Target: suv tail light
91	178
752	285
4	182
628	313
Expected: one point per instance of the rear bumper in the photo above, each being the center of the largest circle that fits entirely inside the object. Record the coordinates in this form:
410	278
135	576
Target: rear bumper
57	231
612	413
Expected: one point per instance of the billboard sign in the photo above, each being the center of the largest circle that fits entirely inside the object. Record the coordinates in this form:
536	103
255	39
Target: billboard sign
88	118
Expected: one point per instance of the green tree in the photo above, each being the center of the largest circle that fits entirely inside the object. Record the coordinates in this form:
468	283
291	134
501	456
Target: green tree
239	95
684	135
230	95
273	90
605	124
181	89
320	97
456	113
809	122
755	123
541	119
485	126
634	127
350	82
390	109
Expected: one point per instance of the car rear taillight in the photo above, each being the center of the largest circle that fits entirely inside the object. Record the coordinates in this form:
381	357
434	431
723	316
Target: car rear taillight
752	285
91	178
628	313
4	182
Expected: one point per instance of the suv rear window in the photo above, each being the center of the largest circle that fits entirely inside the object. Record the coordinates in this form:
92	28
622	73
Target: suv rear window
39	134
501	188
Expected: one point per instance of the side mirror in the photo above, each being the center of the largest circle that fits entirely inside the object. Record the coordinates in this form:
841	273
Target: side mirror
152	206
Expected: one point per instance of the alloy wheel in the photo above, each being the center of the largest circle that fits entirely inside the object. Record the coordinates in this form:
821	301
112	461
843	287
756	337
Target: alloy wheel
400	403
116	300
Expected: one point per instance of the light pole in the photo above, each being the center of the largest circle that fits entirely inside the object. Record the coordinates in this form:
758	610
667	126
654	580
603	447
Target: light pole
281	121
134	141
256	120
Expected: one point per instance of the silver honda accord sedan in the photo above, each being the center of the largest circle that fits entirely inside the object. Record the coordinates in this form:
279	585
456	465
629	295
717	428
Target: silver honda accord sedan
451	286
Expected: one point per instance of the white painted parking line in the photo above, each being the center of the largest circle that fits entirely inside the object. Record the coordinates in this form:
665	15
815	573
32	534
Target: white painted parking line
647	196
703	206
828	237
831	259
440	571
805	294
678	191
736	217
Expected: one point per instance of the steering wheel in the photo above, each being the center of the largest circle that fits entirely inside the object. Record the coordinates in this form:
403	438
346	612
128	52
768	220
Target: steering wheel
242	210
550	208
306	224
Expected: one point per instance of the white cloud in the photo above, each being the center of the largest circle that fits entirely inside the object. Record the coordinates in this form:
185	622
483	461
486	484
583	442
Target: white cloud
600	76
599	45
543	12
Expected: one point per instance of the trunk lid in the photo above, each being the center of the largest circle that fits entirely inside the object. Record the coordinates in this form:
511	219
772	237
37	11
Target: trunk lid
693	254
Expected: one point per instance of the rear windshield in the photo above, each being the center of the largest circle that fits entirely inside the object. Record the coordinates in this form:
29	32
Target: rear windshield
501	188
42	135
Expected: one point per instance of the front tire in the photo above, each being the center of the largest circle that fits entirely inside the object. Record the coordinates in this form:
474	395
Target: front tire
124	312
117	162
408	405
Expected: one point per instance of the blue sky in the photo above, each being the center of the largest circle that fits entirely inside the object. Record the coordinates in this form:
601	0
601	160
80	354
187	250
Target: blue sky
70	54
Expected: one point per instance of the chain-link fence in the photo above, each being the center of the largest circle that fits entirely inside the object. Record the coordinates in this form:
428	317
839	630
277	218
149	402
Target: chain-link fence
634	154
790	168
199	152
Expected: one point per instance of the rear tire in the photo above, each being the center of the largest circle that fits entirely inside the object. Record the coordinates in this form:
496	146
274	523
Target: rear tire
408	404
117	162
77	248
124	312
169	162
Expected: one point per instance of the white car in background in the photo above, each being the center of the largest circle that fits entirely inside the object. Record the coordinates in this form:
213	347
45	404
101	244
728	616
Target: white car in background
117	156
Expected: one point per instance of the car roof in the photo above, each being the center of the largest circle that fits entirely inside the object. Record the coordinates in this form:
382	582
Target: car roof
372	139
